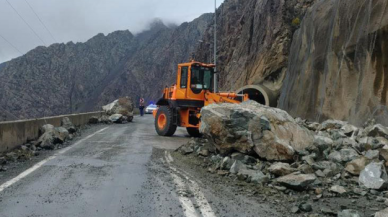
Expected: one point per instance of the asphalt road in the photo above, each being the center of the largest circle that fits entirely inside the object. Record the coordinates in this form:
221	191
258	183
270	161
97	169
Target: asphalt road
124	170
102	174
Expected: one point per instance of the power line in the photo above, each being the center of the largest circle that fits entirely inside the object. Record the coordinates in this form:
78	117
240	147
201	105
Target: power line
40	21
26	22
14	47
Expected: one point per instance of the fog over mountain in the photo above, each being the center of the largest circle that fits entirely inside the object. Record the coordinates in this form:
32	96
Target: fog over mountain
58	21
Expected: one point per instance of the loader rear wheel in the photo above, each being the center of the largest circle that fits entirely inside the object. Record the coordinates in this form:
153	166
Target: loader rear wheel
164	121
193	132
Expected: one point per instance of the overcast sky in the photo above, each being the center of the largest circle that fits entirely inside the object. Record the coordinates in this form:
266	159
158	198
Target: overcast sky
79	20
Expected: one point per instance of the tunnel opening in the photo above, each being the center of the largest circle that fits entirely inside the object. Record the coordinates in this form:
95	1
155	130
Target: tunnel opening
255	95
260	94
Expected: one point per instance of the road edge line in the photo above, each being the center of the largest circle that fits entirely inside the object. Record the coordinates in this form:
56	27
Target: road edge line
41	163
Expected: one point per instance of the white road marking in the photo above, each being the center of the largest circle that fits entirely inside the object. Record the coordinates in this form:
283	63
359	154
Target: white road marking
41	163
200	198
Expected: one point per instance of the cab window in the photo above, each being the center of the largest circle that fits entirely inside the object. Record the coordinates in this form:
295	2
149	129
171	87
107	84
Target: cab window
184	71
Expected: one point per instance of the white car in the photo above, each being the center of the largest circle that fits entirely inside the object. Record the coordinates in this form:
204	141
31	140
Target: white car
150	109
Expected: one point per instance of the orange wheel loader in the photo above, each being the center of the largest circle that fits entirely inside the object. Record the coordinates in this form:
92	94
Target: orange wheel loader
181	103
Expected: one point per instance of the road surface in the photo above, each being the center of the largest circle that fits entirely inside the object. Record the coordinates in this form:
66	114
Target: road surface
112	171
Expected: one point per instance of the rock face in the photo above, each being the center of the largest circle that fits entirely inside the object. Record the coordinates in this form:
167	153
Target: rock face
254	41
338	66
79	77
250	127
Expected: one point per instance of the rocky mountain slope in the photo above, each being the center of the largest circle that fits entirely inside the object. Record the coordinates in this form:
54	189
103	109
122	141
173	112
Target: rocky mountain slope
68	78
338	68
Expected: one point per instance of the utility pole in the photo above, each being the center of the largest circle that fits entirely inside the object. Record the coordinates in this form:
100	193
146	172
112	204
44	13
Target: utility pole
215	48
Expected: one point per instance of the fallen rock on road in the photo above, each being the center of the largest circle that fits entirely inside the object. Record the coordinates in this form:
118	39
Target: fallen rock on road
250	127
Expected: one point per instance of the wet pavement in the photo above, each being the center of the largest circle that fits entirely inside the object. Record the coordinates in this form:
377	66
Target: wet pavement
123	170
100	175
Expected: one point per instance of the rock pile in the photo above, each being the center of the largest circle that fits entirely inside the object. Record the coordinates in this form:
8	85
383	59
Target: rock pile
52	136
267	146
119	111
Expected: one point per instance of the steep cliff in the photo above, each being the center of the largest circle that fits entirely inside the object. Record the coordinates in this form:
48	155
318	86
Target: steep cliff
338	64
67	78
254	38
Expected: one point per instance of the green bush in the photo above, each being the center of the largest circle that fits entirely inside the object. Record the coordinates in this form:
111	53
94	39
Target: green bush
296	22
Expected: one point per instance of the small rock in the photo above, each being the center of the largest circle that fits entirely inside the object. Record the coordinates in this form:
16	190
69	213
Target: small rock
348	213
306	169
204	152
93	120
384	153
295	209
344	155
349	129
338	189
376	130
372	154
259	178
382	213
185	150
355	166
305	207
223	172
281	169
237	166
226	163
328	211
332	124
297	181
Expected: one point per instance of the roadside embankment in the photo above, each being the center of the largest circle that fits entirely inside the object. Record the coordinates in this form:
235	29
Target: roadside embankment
329	168
17	133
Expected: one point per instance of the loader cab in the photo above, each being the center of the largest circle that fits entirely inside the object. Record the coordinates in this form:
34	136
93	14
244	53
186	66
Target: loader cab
193	80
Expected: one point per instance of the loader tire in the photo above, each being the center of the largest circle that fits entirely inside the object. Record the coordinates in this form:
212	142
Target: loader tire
164	121
193	132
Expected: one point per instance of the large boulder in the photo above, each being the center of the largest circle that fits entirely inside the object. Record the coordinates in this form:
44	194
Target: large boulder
60	135
46	141
374	176
46	128
117	118
123	106
68	125
250	127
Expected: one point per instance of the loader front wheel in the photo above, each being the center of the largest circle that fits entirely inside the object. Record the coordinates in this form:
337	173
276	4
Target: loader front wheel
193	132
164	121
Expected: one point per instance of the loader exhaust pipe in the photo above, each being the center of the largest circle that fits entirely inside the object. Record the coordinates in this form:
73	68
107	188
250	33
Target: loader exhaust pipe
260	94
215	48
